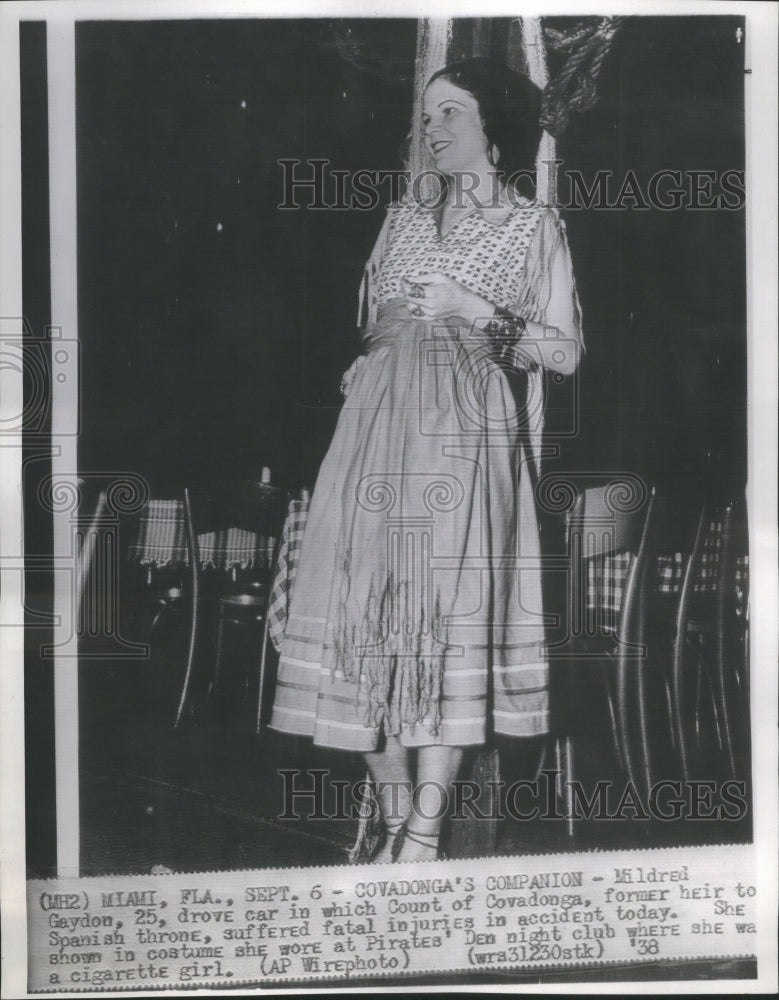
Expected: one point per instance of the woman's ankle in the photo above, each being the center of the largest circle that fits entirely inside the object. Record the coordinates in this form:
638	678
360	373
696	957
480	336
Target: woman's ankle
415	845
385	851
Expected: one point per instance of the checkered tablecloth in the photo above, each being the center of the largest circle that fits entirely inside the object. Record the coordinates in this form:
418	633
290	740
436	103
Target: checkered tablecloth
162	537
286	568
162	541
606	576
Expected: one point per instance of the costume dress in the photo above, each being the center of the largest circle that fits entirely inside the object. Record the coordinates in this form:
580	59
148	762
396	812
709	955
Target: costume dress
416	609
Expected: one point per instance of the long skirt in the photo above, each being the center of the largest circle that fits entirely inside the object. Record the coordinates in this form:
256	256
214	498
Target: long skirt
416	610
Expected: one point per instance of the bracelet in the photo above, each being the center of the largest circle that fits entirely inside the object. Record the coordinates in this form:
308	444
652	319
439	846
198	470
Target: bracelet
506	324
509	329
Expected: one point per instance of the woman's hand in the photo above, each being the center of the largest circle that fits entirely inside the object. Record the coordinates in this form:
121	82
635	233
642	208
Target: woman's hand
434	296
350	374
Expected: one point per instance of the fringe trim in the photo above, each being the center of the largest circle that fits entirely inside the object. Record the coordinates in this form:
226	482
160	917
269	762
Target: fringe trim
549	239
368	833
398	667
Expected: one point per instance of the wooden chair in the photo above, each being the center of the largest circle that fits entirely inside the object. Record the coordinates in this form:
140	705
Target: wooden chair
710	640
610	578
250	507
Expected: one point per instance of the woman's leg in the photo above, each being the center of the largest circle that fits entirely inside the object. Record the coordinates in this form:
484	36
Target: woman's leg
391	771
437	768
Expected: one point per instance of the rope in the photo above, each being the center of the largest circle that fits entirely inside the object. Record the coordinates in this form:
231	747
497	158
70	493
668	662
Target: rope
574	88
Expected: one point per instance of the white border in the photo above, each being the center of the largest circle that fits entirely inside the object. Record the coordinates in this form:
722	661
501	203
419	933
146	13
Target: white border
762	366
61	81
762	311
12	831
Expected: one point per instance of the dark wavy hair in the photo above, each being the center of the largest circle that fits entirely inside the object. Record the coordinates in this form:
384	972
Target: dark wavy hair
510	108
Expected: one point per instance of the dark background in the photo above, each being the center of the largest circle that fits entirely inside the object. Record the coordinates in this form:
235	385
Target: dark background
210	353
217	352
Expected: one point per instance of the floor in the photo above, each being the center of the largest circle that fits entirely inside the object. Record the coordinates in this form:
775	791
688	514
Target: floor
212	794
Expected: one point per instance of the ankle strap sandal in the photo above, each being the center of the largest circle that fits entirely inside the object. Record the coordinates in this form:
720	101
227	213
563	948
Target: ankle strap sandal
391	832
429	840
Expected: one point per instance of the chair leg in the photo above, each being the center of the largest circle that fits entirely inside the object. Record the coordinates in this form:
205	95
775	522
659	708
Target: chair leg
193	631
721	699
218	663
623	719
740	714
677	706
564	763
261	681
194	606
682	645
643	722
612	719
698	704
670	711
715	715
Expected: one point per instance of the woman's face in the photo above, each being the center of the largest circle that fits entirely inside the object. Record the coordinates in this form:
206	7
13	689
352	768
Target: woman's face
453	130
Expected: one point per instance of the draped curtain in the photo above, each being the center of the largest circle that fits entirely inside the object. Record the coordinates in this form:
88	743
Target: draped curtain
517	41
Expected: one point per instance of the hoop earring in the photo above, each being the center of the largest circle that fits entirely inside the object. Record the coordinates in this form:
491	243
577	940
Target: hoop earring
493	155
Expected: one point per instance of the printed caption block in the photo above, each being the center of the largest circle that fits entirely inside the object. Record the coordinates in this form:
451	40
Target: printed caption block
322	924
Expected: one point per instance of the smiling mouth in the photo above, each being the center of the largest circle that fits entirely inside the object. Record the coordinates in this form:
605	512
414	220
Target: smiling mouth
440	145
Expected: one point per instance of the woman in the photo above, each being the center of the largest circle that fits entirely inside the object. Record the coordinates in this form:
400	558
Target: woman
415	624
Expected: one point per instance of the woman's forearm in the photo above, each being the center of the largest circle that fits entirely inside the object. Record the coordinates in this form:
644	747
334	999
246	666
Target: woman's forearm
535	344
550	347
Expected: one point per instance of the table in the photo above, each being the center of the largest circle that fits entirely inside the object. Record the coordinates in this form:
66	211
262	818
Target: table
162	541
607	575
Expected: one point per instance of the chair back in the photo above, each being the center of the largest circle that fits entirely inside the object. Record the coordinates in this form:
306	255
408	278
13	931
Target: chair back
608	519
227	525
713	607
609	571
608	549
716	572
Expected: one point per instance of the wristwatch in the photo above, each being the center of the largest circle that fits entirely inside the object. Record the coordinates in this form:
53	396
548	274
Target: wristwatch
507	331
506	325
